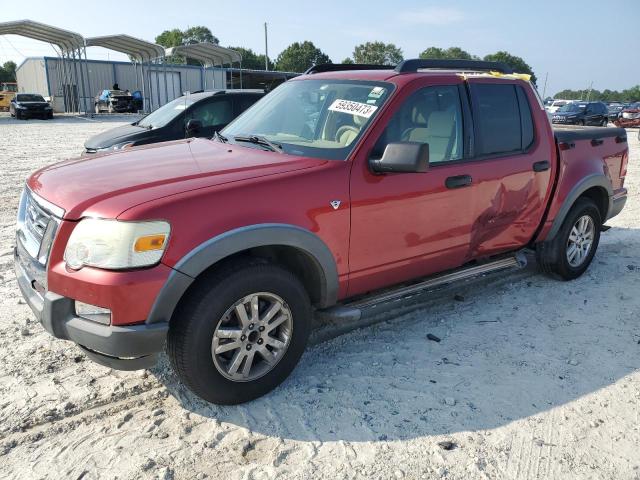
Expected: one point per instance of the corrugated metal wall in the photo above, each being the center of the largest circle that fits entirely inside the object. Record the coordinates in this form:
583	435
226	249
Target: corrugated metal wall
31	77
42	75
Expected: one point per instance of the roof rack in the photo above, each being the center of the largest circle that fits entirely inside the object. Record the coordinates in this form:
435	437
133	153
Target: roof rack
341	67
414	65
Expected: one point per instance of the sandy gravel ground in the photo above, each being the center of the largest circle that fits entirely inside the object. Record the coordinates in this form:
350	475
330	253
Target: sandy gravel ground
533	379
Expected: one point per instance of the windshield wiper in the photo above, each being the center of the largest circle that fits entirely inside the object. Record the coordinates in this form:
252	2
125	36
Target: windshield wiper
221	138
259	140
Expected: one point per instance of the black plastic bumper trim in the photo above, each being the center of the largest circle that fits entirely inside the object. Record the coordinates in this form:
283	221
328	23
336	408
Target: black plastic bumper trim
128	343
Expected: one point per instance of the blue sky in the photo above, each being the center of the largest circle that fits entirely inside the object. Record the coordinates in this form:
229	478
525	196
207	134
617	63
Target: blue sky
576	42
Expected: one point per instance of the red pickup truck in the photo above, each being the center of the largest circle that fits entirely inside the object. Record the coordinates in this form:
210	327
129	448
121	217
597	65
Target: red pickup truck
339	190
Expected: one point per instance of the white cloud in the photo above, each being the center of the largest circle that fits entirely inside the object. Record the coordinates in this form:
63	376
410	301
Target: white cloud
432	16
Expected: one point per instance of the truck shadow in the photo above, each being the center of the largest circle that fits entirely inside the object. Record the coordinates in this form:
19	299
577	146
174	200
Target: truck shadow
506	353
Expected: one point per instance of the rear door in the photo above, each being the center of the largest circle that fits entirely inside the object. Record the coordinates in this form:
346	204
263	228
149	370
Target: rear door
512	174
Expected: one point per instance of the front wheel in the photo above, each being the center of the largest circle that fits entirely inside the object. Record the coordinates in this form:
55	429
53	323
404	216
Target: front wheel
240	332
570	253
605	122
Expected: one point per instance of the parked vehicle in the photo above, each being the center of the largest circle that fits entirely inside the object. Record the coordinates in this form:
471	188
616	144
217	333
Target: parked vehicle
629	116
582	113
8	90
30	105
557	104
113	101
336	186
613	110
196	115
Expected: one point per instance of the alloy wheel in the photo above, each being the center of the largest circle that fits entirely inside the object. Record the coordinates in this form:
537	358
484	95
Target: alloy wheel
251	337
580	241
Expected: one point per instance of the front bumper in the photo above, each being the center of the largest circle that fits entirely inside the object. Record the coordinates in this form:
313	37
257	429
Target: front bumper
35	113
627	122
130	347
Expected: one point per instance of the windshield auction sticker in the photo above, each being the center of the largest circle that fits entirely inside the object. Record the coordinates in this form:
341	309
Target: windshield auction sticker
354	108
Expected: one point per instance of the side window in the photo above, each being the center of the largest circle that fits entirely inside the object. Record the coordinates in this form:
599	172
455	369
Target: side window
431	115
526	120
245	101
213	112
496	113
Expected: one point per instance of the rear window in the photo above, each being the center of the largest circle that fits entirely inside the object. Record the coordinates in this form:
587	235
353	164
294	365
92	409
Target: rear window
503	118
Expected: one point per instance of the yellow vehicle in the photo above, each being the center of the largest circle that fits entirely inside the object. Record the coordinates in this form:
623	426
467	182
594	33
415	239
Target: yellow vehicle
7	92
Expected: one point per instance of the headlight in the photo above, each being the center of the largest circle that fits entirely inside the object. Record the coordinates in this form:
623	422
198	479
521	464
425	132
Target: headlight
116	147
20	106
115	245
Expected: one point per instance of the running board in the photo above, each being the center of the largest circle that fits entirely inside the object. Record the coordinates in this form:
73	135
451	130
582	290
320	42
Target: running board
353	310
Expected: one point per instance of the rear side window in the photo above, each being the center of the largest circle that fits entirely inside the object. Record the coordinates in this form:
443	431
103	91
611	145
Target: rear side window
503	118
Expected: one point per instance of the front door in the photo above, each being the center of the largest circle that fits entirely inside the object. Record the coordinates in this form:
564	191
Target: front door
214	114
405	225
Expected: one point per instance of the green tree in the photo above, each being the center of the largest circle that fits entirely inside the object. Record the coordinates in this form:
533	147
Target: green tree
298	57
199	34
8	72
517	63
177	37
435	53
348	60
377	53
251	59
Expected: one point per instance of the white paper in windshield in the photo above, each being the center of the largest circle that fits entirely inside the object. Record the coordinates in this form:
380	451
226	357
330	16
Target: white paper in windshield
353	108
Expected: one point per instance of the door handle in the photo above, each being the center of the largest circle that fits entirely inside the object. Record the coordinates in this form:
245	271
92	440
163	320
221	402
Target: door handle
458	181
541	166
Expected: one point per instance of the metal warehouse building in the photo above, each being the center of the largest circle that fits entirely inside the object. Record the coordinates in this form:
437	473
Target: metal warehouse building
41	75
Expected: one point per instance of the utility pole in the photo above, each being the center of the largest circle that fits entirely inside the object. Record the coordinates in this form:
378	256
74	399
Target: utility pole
589	92
544	90
266	48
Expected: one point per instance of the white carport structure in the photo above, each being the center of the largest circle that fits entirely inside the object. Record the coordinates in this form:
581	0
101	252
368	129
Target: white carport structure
142	54
69	47
209	56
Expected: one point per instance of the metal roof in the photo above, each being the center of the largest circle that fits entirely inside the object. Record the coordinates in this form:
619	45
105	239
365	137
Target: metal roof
206	53
64	39
139	49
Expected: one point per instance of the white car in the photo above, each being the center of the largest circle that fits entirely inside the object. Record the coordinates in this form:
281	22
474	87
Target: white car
553	108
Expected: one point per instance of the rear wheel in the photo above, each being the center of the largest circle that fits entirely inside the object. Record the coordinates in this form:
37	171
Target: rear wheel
240	332
570	253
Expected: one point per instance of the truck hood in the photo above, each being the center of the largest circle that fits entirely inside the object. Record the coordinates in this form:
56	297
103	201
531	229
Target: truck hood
105	185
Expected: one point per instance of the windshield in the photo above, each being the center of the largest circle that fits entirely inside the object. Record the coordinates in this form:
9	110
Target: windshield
27	97
166	113
315	118
559	104
573	108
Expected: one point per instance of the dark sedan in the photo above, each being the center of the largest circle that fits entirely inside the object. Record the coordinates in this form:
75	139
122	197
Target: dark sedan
30	105
196	115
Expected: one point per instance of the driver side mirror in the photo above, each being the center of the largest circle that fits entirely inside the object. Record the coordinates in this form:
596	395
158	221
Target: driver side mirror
193	126
402	157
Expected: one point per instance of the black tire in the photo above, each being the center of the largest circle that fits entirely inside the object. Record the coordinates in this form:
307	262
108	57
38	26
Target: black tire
552	256
581	123
50	116
189	342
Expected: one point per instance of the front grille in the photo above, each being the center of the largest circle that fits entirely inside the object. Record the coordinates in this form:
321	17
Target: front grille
37	225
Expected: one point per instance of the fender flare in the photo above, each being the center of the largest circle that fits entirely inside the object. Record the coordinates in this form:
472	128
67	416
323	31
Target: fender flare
594	180
228	243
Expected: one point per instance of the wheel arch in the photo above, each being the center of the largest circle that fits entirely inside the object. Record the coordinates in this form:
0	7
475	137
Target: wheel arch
297	249
597	187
